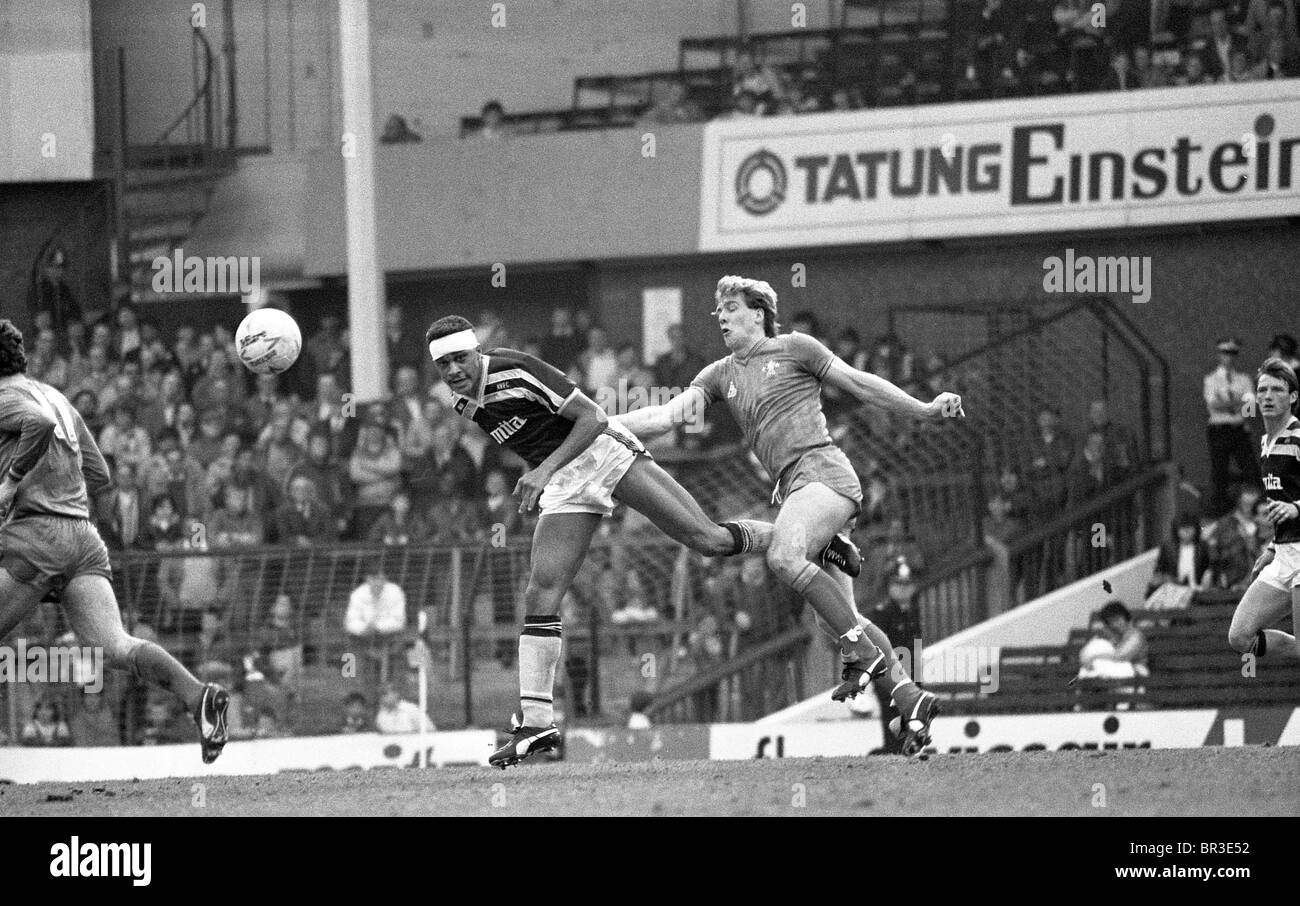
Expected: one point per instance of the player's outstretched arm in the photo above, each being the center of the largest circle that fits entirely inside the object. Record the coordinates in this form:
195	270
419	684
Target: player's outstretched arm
876	391
589	420
650	421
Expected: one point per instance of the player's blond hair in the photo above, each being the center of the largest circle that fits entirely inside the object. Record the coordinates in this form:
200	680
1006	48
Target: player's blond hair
756	293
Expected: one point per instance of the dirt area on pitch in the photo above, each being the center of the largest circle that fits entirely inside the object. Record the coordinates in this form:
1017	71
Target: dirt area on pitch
1207	781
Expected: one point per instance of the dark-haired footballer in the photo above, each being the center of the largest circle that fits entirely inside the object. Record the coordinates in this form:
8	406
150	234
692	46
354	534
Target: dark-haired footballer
1275	579
580	462
51	465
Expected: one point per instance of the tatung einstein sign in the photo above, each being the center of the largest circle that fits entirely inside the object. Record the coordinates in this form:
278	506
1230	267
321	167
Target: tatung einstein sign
1073	162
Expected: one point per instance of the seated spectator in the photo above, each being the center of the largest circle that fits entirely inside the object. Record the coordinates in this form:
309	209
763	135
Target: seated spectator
168	471
398	525
1269	19
302	519
164	724
1194	71
1127	655
1184	559
1220	47
276	447
1233	542
746	105
1278	62
396	131
87	405
669	106
47	728
396	715
356	714
95	722
493	118
376	618
207	447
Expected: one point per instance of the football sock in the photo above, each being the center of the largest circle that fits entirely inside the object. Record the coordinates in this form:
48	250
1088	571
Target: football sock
749	535
151	664
831	602
539	652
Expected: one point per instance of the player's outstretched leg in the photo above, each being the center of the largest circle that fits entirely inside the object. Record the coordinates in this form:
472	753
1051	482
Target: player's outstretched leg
807	517
560	543
93	614
1261	606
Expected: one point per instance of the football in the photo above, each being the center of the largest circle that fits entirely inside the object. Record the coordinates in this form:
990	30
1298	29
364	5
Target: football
268	341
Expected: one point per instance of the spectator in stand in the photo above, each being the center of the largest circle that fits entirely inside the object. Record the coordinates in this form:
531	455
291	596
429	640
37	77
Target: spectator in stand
1090	472
1184	559
235	524
163	531
329	478
563	345
1220	47
187	424
94	723
752	77
329	412
169	471
631	369
1009	507
221	470
127	341
1269	19
1278	62
398	525
86	402
493	122
164	724
303	519
47	728
454	518
44	362
1119	77
98	376
1234	542
407	405
1283	346
123	439
397	715
282	647
1227	392
897	549
597	367
746	105
1130	646
206	448
356	715
54	295
259	407
897	617
324	350
1194	71
376	619
1051	452
276	449
191	585
397	132
164	411
375	469
125	517
669	106
1120	444
1145	75
679	365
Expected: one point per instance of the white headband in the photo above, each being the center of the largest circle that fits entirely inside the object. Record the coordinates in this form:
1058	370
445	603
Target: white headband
453	342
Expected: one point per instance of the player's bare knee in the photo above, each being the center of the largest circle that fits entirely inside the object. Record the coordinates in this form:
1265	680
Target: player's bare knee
542	596
1241	638
786	560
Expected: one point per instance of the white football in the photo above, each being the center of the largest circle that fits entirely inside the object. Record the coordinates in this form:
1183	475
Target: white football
268	341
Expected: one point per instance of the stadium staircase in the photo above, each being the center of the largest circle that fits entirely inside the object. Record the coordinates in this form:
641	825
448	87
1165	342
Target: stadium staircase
164	187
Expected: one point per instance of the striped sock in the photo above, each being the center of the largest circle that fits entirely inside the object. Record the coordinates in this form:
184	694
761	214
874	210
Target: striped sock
539	652
749	535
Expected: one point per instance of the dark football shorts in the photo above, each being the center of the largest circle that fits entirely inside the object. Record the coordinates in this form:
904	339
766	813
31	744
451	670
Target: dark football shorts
44	550
824	465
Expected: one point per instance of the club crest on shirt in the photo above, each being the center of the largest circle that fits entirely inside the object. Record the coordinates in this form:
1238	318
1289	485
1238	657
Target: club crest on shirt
769	369
731	391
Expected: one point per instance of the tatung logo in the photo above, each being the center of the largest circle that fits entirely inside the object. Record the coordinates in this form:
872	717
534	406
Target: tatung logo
761	183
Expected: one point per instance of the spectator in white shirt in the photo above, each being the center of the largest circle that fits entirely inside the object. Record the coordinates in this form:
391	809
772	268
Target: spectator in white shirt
377	617
1227	392
398	716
